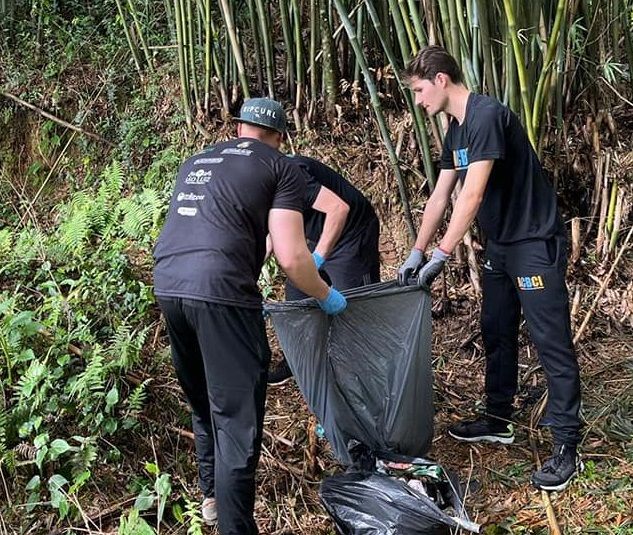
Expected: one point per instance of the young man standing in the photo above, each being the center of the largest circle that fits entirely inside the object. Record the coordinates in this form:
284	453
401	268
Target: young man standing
208	258
342	232
504	185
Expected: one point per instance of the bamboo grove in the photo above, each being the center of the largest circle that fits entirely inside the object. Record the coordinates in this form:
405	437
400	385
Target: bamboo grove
534	56
543	58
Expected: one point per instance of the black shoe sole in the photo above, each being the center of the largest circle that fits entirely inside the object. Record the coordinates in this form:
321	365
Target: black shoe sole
282	382
484	438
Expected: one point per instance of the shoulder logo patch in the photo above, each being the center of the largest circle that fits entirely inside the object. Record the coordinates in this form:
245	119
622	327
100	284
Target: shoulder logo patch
460	159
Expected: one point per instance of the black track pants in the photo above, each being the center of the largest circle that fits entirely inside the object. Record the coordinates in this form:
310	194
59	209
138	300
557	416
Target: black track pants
221	357
355	263
530	276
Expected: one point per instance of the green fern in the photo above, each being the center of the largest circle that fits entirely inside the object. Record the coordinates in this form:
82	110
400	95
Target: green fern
91	380
29	245
112	181
125	347
141	213
74	232
30	389
6	244
136	401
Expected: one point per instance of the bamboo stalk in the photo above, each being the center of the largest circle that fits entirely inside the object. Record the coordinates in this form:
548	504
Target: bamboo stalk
184	80
314	38
268	51
139	31
290	61
256	45
401	33
128	37
552	46
207	55
616	219
417	24
192	56
407	26
237	52
299	52
486	46
419	123
520	70
330	65
375	100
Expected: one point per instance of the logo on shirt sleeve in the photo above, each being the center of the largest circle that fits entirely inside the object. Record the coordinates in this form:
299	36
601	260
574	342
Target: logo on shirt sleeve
535	282
460	159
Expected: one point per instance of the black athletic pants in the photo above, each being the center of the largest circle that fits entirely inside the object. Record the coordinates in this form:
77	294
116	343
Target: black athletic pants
221	357
530	275
354	263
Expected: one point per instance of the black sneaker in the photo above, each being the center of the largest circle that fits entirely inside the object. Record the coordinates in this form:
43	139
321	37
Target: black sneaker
280	374
558	471
483	430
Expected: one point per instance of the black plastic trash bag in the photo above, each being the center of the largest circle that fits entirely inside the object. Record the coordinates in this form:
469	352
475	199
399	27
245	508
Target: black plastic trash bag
366	373
362	503
386	493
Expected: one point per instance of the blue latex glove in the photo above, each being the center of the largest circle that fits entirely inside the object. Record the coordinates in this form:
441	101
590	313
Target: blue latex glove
334	303
410	267
433	267
318	260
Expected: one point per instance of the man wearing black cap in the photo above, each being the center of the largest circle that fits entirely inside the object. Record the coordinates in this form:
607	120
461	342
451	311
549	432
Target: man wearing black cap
208	258
342	231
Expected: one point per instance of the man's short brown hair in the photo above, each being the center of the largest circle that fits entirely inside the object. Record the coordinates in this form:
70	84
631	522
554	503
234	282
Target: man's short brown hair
431	60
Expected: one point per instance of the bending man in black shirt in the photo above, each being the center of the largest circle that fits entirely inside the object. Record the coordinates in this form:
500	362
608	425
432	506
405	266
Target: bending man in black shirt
504	185
342	231
208	258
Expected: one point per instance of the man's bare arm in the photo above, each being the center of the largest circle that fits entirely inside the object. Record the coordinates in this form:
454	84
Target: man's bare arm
336	211
289	245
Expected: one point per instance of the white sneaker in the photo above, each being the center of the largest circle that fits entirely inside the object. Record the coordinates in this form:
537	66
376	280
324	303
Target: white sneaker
209	512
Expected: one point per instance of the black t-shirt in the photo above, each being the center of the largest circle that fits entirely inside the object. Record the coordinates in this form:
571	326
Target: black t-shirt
213	244
361	212
519	202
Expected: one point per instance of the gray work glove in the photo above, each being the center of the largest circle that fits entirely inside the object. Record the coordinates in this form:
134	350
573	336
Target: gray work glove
410	267
433	267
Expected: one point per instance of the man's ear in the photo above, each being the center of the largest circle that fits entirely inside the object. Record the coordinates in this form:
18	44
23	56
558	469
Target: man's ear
239	129
442	79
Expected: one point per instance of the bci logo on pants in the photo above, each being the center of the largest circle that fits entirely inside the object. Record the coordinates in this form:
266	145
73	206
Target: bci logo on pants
531	283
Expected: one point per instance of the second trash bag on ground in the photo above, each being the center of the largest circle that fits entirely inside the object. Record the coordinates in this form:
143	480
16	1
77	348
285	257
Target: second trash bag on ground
366	374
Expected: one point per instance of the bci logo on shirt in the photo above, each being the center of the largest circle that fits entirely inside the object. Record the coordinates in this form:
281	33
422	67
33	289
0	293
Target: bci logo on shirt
534	282
460	159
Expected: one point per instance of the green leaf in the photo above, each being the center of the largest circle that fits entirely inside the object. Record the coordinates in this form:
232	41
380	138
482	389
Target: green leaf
58	447
34	483
163	489
64	507
32	501
56	482
112	398
40	456
178	513
144	500
79	481
40	440
152	469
